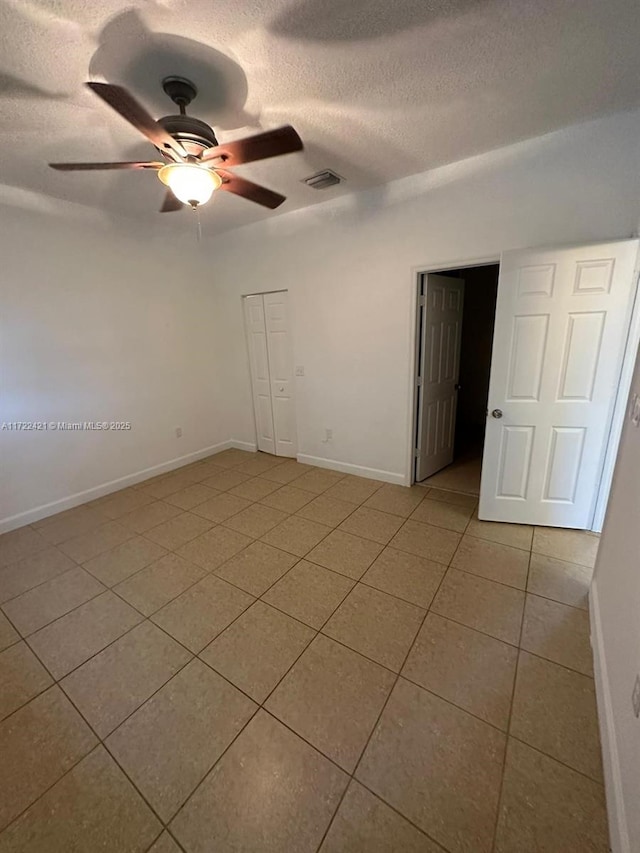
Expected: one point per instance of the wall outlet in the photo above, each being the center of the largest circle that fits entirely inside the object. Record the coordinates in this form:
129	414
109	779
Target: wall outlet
635	410
635	697
299	370
328	434
178	432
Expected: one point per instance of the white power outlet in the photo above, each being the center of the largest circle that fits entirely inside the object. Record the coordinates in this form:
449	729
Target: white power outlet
299	370
635	410
178	432
328	436
635	697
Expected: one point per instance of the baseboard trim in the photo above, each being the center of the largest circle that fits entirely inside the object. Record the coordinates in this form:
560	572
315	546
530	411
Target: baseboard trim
31	515
618	831
356	470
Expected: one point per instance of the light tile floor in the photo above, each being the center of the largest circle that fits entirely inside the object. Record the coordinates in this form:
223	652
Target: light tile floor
250	654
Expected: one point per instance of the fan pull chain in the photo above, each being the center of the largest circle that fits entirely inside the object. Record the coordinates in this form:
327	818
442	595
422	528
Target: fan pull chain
199	226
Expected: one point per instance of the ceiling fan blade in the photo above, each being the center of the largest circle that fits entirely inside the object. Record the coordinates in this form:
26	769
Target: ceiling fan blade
272	143
88	167
122	102
170	203
247	189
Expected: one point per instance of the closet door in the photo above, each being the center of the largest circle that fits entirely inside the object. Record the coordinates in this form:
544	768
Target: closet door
276	312
260	379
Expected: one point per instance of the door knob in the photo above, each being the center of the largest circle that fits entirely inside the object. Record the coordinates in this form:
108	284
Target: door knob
496	413
281	388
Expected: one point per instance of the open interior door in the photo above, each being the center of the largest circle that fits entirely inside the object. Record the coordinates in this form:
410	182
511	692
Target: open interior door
438	367
562	319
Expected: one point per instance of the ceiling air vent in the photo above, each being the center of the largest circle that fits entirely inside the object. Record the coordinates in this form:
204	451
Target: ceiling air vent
322	180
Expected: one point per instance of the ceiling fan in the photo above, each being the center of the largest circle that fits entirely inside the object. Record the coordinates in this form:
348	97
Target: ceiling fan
194	164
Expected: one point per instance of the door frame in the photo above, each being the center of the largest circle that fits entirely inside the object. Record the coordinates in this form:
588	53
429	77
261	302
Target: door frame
624	378
248	354
414	337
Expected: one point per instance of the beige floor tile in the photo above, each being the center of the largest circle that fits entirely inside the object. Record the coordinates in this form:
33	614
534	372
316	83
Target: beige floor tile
376	625
463	475
73	522
38	744
18	544
287	499
564	582
332	698
22	677
548	807
437	765
397	500
406	576
318	480
179	530
326	510
257	567
364	824
71	640
577	546
124	560
309	593
557	632
489	607
516	535
93	805
279	638
254	489
355	490
151	588
54	598
255	520
554	710
230	458
169	484
169	744
472	670
145	517
192	496
424	540
120	503
165	844
103	538
459	498
296	535
287	472
8	634
493	561
372	524
440	514
202	612
208	468
68	514
260	463
344	553
31	571
214	547
111	685
221	507
270	792
221	481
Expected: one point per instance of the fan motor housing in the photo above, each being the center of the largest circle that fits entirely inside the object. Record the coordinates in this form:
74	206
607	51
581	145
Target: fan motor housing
195	135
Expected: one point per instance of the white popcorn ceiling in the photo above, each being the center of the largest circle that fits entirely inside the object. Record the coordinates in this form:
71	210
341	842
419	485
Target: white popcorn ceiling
378	89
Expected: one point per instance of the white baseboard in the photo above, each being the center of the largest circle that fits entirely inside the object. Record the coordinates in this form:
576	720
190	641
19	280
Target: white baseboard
356	470
35	514
618	832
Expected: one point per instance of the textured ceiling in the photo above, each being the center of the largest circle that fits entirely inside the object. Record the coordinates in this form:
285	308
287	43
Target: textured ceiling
377	89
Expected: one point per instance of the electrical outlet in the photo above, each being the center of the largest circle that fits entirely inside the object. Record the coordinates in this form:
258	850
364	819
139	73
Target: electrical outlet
328	434
635	410
299	370
178	432
635	697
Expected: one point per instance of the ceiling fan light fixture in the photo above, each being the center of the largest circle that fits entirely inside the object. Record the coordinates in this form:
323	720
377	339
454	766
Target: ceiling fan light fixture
191	184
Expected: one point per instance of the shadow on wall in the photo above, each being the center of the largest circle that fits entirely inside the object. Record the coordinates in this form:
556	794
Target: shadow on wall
337	20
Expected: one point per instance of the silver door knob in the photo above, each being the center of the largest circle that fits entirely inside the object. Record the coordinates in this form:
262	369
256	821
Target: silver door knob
281	388
496	413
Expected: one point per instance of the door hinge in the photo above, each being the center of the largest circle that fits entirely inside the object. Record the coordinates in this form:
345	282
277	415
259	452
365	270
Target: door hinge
422	301
419	381
416	453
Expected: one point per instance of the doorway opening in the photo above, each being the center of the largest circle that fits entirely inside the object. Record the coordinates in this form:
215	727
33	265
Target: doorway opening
455	324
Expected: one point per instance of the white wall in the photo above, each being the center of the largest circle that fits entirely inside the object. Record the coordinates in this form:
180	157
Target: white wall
100	323
350	267
615	603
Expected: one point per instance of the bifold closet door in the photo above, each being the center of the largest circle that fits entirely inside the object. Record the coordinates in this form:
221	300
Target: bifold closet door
270	356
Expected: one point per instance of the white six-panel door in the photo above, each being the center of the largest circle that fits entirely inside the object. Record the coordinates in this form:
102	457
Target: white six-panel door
562	318
270	359
438	371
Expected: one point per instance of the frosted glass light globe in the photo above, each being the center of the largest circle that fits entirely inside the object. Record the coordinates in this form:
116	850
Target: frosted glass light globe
191	184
